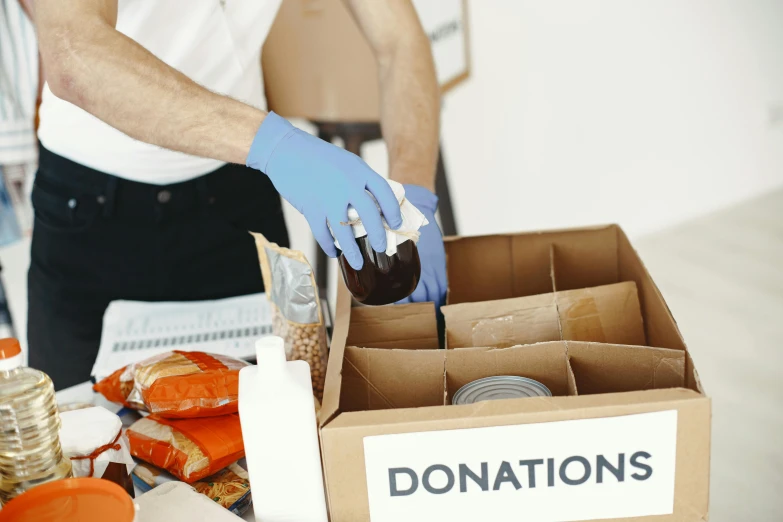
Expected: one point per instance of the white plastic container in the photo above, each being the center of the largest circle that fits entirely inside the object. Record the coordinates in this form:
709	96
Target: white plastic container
277	414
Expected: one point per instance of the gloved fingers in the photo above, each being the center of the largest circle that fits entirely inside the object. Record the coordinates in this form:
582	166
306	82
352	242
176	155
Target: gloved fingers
344	236
421	294
321	232
371	219
406	300
386	199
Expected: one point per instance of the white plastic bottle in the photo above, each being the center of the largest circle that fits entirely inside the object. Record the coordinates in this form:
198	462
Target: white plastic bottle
277	413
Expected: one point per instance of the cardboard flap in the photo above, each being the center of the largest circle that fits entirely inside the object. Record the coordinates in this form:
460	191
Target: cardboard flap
334	369
503	266
610	368
660	326
406	326
544	362
608	313
377	378
502	323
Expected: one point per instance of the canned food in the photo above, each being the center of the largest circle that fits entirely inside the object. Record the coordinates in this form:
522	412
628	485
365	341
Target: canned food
499	387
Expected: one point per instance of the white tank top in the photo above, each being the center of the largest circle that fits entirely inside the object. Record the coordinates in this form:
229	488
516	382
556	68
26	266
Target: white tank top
217	43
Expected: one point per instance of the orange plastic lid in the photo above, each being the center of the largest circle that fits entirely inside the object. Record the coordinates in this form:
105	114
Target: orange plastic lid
9	347
71	500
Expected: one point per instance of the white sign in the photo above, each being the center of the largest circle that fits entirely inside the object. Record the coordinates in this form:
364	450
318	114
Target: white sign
588	469
443	21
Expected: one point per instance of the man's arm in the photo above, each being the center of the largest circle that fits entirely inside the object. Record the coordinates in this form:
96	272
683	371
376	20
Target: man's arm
410	96
410	114
92	65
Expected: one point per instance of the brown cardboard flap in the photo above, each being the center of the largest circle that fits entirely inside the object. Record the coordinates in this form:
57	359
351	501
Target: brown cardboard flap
582	260
610	368
334	368
502	323
377	378
659	324
479	269
608	313
407	326
545	362
502	266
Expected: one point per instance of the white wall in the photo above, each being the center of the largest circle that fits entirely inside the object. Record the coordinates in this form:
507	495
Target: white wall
643	112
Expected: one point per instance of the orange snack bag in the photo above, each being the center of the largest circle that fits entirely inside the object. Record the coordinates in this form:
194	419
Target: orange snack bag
189	449
177	384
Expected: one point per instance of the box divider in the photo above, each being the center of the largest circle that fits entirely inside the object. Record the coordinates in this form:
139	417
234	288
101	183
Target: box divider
370	385
570	377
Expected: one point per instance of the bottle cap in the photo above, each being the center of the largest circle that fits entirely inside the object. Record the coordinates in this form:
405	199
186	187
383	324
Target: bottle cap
10	354
270	352
71	500
9	347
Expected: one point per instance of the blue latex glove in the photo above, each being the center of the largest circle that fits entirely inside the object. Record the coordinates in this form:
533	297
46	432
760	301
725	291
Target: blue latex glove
321	180
432	285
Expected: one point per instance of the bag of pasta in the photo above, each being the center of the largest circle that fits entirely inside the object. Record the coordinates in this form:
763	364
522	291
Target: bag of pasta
296	308
189	449
177	384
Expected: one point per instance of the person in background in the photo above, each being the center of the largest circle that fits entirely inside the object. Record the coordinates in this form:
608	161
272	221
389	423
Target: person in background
18	94
157	157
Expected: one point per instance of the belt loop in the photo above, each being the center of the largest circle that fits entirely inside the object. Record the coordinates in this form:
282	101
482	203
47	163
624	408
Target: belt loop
110	196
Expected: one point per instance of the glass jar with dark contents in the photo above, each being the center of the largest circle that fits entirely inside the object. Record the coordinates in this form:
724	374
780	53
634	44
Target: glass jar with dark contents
383	279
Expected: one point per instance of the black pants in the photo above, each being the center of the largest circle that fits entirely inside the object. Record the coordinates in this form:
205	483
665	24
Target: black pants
98	238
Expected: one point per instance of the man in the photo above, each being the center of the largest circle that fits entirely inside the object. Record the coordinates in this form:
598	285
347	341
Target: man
150	109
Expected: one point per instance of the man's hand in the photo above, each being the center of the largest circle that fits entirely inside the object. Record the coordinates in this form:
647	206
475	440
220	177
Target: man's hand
432	285
321	181
410	113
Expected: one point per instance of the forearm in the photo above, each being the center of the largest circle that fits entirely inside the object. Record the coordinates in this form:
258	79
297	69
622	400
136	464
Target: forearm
92	65
410	111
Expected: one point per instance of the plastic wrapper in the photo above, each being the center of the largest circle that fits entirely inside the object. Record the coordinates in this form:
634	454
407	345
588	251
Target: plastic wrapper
175	501
177	384
229	487
189	449
296	308
92	439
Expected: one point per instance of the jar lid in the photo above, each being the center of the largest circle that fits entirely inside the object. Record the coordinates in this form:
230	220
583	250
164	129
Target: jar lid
10	354
9	348
71	500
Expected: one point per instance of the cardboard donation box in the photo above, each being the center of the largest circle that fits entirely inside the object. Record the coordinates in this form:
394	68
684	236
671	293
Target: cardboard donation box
625	435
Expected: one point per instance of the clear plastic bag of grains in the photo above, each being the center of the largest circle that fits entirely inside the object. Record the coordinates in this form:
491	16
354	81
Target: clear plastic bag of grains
297	317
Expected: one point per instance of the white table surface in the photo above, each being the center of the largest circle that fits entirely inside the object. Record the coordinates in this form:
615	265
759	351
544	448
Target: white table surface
83	393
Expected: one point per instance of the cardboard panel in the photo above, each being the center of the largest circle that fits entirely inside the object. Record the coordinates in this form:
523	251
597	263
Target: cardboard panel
479	268
602	314
408	326
383	379
531	266
573	389
609	368
545	362
343	449
660	325
584	260
502	323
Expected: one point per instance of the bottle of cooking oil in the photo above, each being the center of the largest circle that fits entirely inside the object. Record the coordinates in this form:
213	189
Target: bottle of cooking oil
30	452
